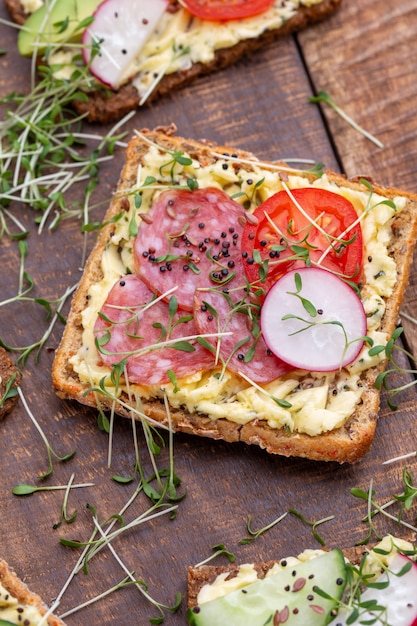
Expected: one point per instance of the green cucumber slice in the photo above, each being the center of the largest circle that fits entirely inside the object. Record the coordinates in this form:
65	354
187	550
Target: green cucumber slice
288	596
41	30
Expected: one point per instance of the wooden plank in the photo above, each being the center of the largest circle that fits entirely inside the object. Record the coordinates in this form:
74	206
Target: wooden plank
260	105
365	67
370	75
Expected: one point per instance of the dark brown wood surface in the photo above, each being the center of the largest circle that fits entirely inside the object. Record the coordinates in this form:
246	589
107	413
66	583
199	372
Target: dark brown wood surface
365	57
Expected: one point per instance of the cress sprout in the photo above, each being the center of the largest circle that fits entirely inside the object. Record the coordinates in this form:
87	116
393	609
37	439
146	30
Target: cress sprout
323	96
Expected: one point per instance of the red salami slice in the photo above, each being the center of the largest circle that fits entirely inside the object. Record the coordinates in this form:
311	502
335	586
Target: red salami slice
127	328
183	232
233	310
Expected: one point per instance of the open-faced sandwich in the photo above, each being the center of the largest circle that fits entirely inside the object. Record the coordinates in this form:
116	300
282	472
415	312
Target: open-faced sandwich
138	50
19	605
316	588
240	300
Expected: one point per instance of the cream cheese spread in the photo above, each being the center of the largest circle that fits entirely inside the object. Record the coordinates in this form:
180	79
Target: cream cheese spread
13	611
317	402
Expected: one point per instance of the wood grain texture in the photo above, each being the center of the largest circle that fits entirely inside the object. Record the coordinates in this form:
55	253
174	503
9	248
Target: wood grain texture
361	57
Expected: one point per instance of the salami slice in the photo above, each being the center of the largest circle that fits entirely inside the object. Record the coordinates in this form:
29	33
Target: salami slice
132	326
184	231
233	310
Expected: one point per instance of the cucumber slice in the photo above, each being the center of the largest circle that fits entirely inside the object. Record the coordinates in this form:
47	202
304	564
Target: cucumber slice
61	24
285	597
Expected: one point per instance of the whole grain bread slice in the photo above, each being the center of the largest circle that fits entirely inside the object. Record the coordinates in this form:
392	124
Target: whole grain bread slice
347	443
25	597
105	105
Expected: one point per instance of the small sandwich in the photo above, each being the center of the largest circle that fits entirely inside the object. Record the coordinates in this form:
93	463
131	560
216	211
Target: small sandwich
19	605
138	50
240	300
316	588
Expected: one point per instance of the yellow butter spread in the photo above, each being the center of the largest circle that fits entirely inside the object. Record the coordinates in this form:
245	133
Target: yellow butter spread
374	563
30	6
181	40
317	402
13	611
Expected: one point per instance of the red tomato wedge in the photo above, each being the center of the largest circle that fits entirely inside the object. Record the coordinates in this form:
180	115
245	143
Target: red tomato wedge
224	10
315	231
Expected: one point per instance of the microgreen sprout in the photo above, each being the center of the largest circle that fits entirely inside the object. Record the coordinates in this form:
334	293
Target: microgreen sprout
409	494
123	583
250	199
53	317
280	401
178	157
254	534
402	457
177	52
50	452
307	305
141	585
323	96
405	500
93	546
24	489
10	391
65	517
219	549
387	350
41	134
313	524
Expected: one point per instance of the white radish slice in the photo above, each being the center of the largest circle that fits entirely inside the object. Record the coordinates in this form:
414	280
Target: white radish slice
322	343
121	28
399	598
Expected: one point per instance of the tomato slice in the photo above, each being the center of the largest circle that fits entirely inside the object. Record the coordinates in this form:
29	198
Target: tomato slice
224	10
287	236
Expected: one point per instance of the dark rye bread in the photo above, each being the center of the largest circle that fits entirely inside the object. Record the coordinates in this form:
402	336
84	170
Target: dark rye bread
197	577
105	105
8	372
17	588
345	444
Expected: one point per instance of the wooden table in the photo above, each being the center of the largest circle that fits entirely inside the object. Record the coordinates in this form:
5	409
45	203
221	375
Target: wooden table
365	57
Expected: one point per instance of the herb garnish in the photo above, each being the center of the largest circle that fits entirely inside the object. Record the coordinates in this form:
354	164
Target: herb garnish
313	524
254	534
405	500
323	96
50	452
219	549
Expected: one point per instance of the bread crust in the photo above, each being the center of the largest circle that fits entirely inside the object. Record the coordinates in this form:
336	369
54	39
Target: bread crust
19	590
105	105
8	371
345	444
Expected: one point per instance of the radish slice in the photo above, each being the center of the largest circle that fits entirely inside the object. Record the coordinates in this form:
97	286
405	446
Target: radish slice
121	28
399	598
323	342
